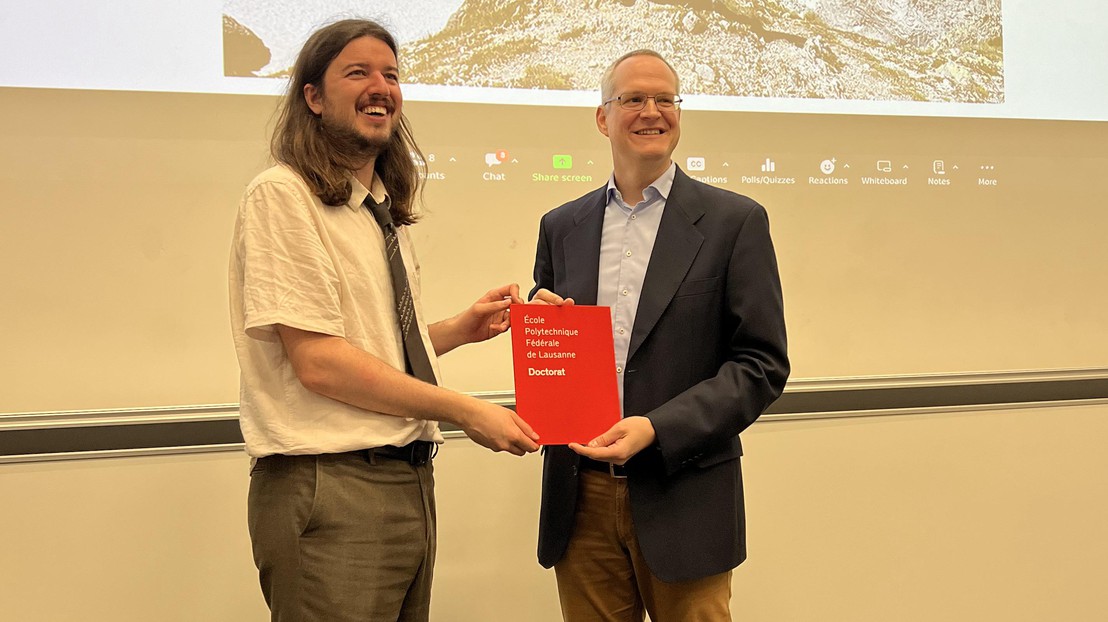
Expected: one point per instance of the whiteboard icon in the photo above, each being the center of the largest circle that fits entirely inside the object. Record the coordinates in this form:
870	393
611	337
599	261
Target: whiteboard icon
694	164
885	166
827	167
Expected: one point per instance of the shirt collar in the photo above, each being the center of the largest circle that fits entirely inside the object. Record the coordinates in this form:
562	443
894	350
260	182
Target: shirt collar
662	185
358	192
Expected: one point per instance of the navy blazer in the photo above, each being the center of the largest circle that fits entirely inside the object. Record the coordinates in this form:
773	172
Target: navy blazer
707	356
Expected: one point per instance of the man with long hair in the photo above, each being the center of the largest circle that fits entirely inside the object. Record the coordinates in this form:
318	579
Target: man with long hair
340	400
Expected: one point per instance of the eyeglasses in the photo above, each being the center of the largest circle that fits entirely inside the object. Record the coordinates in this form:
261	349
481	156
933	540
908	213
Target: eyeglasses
637	101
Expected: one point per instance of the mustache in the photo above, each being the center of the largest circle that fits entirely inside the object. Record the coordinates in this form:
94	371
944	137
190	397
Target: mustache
376	99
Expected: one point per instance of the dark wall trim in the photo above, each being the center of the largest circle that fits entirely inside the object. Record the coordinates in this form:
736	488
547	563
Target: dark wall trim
914	397
28	437
119	437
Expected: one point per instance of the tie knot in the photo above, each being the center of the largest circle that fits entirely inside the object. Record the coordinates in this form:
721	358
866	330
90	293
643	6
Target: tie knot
380	210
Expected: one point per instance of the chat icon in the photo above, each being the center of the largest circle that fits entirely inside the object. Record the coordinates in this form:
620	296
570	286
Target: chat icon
496	158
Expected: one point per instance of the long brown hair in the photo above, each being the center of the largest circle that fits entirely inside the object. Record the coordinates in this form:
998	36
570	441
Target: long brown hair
324	159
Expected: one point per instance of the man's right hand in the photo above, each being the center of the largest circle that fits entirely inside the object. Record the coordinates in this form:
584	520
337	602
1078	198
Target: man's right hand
499	429
547	297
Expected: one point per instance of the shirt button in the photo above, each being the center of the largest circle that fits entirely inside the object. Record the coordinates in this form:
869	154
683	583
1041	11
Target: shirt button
628	253
621	331
633	217
619	370
624	292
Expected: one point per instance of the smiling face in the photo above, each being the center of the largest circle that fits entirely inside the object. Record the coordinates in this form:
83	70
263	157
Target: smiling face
642	140
360	92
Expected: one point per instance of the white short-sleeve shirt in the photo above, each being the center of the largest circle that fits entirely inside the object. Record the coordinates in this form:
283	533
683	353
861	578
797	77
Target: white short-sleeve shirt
319	268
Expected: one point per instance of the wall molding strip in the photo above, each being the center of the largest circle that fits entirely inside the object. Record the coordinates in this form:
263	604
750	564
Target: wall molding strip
84	434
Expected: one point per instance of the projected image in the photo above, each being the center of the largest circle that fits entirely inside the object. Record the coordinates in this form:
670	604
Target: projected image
880	50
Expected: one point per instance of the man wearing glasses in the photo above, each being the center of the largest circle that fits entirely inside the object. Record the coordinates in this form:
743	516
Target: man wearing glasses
648	517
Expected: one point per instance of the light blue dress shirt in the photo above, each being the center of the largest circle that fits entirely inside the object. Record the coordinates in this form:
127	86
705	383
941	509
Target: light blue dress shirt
625	246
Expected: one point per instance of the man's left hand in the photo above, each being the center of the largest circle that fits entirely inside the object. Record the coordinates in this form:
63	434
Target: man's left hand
624	439
489	316
484	319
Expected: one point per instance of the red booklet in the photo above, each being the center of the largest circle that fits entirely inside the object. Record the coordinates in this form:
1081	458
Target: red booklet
565	371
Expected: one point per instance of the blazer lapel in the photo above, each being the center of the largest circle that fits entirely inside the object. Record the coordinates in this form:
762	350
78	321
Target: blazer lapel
675	248
582	249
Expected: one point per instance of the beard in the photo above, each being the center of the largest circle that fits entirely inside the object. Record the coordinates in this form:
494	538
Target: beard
350	144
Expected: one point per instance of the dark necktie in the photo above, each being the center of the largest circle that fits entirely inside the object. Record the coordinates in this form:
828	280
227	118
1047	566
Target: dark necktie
419	365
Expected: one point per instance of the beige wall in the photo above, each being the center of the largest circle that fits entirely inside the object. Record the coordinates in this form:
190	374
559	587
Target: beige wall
115	229
987	515
118	209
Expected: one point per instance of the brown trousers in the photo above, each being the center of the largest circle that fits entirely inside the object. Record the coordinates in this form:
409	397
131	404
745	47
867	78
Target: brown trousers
340	537
603	576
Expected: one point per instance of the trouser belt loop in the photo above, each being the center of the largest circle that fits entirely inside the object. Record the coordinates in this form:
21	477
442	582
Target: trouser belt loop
415	453
421	452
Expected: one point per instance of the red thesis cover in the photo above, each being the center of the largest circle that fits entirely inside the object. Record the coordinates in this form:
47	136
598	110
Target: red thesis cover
565	371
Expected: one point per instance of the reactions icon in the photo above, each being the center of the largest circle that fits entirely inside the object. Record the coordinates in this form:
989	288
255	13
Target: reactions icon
827	166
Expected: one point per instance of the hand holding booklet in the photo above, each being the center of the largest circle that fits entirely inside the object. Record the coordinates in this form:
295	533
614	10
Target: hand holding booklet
565	371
